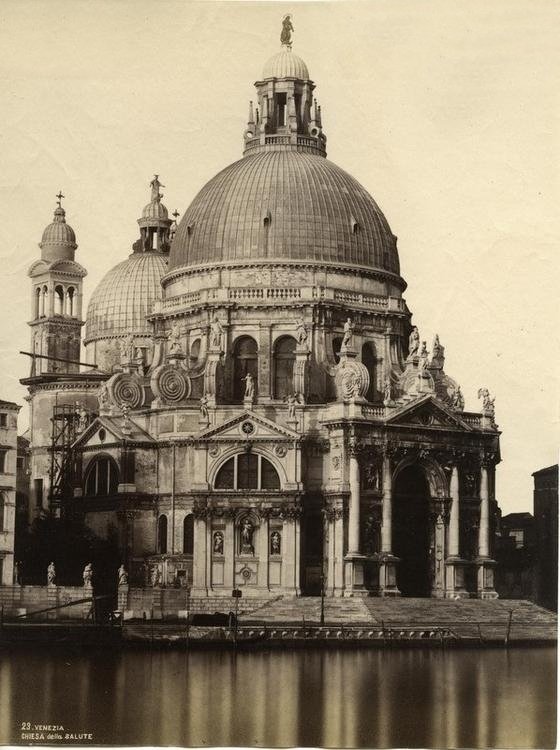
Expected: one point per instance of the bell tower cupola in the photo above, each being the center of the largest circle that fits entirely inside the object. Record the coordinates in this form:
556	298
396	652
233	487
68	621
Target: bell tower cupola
286	116
56	299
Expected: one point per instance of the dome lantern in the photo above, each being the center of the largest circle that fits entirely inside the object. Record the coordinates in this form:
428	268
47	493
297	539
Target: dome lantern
154	223
287	117
59	239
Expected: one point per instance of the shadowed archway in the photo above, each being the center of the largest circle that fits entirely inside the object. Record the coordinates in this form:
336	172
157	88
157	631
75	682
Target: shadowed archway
411	531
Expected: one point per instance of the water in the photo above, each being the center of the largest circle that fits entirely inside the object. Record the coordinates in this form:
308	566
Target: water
396	698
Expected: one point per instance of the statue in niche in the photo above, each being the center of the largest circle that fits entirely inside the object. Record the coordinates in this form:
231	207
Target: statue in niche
413	342
204	407
247	530
216	332
287	29
458	400
372	476
249	386
348	333
301	332
51	574
87	576
275	543
122	576
218	543
174	338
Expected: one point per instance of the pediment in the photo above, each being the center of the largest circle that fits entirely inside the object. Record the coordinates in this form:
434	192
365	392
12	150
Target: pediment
248	426
428	412
106	430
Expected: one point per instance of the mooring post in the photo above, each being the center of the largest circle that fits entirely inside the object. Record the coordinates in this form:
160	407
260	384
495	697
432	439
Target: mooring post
506	641
151	627
479	632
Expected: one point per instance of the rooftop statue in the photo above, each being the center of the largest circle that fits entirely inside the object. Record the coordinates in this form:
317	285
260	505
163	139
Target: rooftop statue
413	342
287	29
155	184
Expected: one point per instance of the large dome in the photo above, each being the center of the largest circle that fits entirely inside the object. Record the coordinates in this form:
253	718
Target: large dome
284	205
125	296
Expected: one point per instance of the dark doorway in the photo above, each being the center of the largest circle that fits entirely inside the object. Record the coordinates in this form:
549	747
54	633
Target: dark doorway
311	552
411	532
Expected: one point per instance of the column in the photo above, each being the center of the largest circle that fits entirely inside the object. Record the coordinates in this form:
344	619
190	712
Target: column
354	510
263	554
387	523
483	529
199	558
454	514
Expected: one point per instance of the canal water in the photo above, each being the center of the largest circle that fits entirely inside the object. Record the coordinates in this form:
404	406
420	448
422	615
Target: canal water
350	698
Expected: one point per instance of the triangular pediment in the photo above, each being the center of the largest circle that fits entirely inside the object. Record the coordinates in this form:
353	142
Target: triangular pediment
106	430
427	412
248	426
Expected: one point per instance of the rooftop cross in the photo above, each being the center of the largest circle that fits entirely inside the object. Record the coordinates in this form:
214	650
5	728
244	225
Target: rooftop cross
175	214
60	197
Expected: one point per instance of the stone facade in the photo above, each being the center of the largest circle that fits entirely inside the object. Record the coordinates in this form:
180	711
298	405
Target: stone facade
8	470
275	424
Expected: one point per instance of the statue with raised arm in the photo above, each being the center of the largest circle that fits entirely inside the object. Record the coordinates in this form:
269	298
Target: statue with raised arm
458	400
155	184
487	403
287	29
413	342
247	537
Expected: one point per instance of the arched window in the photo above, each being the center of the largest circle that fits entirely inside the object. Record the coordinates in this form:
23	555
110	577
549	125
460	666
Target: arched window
102	478
44	296
194	352
3	524
244	363
37	302
284	359
70	301
58	300
188	535
369	360
247	471
162	535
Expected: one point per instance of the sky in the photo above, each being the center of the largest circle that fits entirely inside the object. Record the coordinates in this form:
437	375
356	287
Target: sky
447	112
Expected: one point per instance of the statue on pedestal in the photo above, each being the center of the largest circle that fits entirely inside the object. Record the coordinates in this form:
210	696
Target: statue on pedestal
87	576
387	391
216	333
218	543
122	576
348	333
488	408
301	332
413	342
275	543
103	397
249	386
127	349
458	402
204	408
51	574
174	339
82	417
286	33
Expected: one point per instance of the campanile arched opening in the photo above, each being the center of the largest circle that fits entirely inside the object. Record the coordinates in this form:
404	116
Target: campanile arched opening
411	531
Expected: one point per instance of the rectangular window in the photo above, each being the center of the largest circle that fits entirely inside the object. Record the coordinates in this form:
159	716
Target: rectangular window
38	489
281	109
3	420
3	462
20	462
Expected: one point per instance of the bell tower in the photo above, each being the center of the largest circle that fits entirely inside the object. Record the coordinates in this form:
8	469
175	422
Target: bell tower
56	300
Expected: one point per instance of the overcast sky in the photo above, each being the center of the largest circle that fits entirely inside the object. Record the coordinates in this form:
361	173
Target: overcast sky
447	112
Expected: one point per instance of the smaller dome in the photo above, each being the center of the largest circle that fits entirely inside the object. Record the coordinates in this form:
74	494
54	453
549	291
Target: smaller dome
285	64
155	210
59	232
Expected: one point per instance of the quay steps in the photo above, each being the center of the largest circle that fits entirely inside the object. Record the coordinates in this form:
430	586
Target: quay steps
296	609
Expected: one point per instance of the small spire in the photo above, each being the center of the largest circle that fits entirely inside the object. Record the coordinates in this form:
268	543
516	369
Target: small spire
251	120
286	33
60	197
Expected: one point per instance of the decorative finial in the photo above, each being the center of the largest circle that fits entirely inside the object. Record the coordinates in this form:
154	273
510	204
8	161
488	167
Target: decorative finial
175	214
155	184
60	197
286	33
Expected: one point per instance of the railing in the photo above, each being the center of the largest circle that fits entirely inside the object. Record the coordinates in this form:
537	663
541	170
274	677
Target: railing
473	419
375	412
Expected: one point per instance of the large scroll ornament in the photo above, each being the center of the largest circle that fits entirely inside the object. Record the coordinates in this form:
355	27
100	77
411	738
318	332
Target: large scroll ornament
171	384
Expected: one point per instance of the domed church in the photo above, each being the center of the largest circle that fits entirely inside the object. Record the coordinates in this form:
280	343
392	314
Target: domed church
254	409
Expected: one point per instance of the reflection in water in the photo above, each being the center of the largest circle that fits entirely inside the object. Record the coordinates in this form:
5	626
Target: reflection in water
397	698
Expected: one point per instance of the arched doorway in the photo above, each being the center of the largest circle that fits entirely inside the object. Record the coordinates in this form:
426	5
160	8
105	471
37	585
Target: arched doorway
411	531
